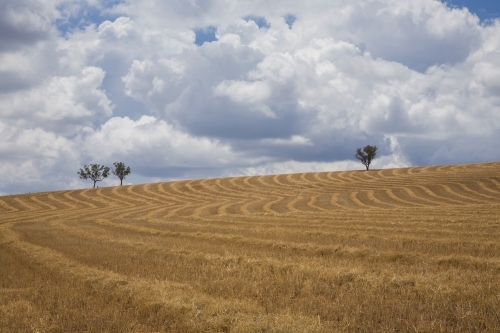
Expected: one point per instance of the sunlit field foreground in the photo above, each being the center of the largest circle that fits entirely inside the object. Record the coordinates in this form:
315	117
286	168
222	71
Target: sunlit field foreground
410	250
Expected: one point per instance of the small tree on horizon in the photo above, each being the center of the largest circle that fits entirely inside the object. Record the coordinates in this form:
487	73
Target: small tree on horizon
121	171
366	155
95	172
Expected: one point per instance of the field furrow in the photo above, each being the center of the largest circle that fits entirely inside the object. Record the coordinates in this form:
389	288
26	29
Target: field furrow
6	208
399	250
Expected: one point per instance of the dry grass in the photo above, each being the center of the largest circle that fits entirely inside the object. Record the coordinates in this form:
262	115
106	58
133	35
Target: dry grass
414	250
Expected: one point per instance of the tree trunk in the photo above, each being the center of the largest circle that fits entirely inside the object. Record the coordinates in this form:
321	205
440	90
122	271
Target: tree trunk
94	183
121	181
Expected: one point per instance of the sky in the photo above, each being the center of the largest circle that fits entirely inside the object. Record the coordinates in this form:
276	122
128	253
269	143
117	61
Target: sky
218	88
484	9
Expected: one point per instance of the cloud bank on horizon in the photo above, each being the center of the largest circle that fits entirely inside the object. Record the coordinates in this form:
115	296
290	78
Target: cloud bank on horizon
203	88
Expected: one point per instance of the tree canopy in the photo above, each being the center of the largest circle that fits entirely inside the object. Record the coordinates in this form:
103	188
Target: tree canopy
121	171
95	172
366	155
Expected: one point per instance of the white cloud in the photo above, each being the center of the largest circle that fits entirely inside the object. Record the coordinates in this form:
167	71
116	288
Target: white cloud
25	21
153	142
416	78
33	159
291	166
121	28
59	102
139	80
294	140
243	92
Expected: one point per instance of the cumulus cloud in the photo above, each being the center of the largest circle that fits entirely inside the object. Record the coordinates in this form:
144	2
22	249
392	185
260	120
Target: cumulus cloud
34	159
25	22
59	102
150	142
285	86
243	92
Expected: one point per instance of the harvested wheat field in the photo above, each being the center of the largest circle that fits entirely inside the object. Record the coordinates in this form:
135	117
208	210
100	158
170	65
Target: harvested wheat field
408	250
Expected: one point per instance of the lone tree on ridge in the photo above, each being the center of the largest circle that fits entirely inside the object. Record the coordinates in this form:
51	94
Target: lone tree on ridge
121	171
95	172
366	155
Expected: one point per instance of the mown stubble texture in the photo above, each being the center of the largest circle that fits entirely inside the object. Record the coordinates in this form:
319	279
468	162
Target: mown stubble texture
406	250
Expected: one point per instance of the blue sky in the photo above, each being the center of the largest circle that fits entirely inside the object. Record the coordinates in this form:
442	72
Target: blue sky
208	34
484	9
74	18
196	89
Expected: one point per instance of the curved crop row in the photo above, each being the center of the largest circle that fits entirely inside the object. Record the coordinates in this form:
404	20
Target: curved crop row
413	249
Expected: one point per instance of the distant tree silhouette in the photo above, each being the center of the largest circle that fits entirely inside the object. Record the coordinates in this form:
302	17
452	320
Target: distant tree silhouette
366	155
121	171
95	172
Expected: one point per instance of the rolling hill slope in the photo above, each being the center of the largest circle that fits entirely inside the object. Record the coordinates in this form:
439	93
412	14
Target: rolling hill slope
415	249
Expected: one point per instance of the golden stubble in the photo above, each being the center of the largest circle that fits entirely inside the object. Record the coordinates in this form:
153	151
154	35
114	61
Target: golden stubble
415	249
